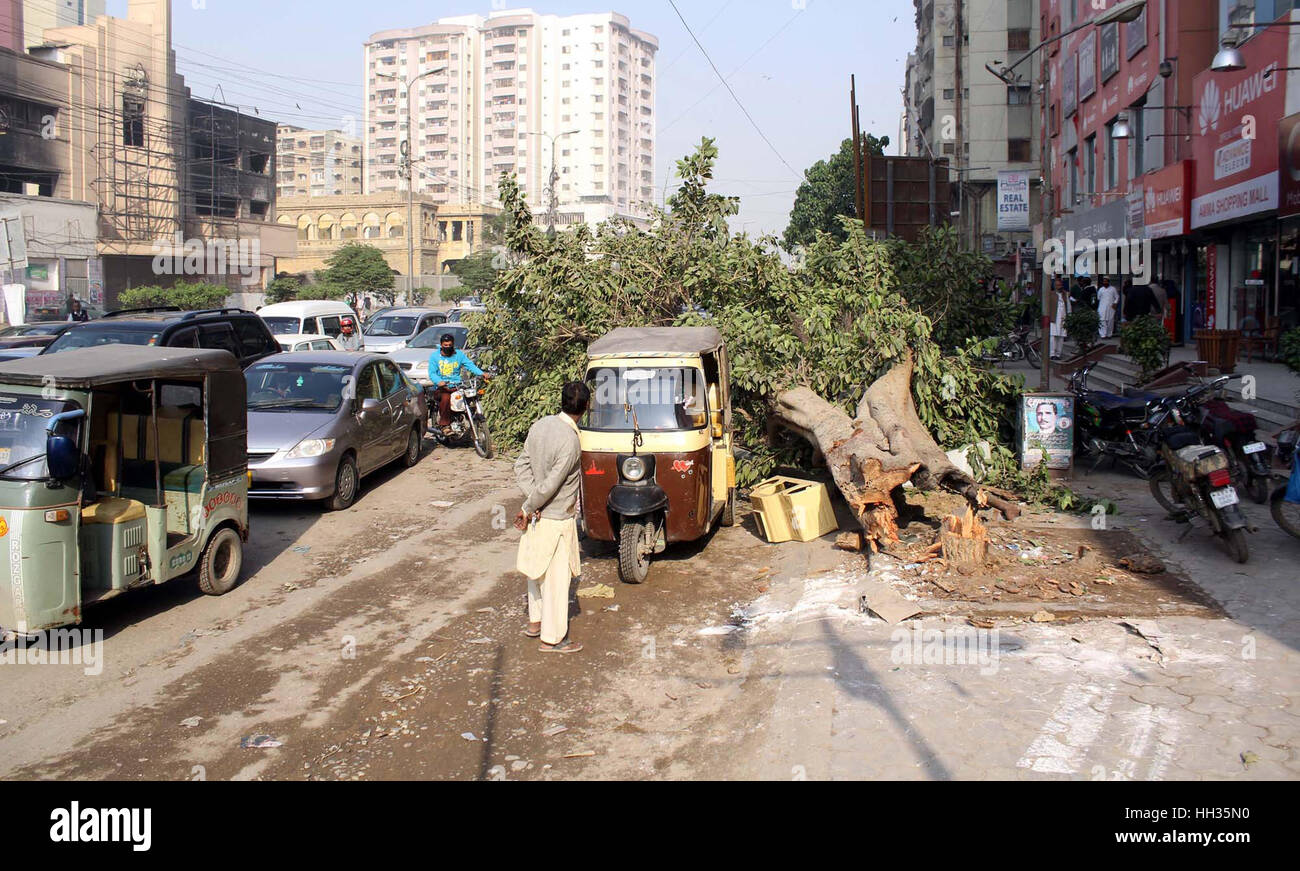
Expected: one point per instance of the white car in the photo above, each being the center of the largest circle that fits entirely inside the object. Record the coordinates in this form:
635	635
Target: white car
394	329
307	342
316	318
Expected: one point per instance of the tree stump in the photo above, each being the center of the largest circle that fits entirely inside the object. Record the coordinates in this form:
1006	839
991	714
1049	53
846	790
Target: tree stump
965	542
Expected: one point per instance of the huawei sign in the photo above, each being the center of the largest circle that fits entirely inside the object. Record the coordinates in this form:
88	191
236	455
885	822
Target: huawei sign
1211	107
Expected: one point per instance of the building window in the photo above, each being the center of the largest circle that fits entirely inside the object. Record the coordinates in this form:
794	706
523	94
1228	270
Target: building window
1018	40
132	121
1090	165
1018	151
1112	157
1018	95
949	93
949	41
1137	145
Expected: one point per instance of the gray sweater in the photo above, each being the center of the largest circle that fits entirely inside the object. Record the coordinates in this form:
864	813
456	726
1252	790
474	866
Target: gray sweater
548	470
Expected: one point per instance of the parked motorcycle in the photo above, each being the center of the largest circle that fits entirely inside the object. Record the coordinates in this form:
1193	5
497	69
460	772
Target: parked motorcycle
1285	501
469	424
1286	444
1193	478
1114	427
1249	458
1014	347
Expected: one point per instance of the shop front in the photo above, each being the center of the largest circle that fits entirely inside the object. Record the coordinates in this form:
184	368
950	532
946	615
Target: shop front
1287	305
1167	197
1236	181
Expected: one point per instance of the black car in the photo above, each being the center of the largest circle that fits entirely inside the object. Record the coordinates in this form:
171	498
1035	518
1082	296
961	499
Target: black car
240	332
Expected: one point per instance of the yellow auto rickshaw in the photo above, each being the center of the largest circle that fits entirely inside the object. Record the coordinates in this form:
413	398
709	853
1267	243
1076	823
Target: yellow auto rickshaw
658	462
120	467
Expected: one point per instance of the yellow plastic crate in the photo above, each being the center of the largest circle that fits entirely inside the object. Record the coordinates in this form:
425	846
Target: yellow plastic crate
790	509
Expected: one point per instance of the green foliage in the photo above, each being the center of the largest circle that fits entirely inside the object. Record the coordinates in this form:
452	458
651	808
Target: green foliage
1146	342
477	272
834	325
1002	469
356	269
322	290
283	289
1083	326
187	296
826	195
1289	349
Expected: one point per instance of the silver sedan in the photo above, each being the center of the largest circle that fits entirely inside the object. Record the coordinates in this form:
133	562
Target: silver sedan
319	421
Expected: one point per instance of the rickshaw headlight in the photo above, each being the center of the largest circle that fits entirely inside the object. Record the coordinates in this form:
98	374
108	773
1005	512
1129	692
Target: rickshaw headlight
309	448
634	469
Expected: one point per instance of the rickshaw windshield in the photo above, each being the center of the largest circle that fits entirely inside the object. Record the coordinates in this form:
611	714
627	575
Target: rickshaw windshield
22	435
664	400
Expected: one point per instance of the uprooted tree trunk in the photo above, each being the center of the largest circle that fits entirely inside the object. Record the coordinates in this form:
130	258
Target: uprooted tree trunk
886	446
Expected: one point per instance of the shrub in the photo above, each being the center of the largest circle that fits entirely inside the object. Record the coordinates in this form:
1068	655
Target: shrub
1146	342
1083	325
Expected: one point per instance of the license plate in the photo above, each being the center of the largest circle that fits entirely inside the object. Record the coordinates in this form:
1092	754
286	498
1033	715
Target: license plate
1256	448
1225	497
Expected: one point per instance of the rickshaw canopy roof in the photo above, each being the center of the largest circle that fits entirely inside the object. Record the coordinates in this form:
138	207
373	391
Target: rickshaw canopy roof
657	341
88	368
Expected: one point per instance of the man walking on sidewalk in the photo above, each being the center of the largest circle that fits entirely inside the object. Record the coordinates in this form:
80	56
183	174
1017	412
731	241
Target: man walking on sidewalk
548	471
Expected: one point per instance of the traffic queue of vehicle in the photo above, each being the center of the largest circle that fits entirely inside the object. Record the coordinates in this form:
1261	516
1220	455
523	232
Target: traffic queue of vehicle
131	444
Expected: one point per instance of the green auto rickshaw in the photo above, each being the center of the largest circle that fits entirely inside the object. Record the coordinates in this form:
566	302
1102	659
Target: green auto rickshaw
120	467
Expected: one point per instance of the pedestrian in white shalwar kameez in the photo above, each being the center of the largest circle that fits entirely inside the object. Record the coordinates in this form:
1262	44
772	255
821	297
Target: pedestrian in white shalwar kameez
1107	305
1061	307
548	471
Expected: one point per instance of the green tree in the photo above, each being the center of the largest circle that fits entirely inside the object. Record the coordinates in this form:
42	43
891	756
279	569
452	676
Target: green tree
318	290
283	289
358	268
826	194
187	296
835	325
477	272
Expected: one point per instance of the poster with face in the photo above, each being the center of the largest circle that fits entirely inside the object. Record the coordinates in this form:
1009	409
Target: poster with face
1047	425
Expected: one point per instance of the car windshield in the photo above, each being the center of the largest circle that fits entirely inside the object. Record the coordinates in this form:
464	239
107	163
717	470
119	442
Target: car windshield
22	434
432	337
663	400
284	326
30	330
96	336
391	325
287	386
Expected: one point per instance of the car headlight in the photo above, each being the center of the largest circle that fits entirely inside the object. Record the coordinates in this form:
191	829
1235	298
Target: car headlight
634	469
309	448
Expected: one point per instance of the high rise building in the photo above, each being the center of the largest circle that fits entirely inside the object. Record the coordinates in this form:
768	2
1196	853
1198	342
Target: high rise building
567	103
957	110
316	163
41	14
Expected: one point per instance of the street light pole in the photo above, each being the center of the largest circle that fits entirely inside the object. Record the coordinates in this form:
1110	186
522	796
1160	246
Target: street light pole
553	206
408	160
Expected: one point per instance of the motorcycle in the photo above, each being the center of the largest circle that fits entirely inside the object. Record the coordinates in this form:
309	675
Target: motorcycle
1014	347
1249	458
1285	501
469	424
1193	478
1110	426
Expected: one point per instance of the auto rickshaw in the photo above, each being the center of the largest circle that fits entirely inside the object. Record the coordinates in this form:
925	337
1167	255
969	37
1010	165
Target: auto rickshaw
658	463
120	467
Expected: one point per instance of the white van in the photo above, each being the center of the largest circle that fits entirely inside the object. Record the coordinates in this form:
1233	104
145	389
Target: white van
315	318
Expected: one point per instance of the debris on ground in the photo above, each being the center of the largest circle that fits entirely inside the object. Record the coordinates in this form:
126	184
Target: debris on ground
191	722
881	599
1044	617
1143	564
259	742
596	591
1151	634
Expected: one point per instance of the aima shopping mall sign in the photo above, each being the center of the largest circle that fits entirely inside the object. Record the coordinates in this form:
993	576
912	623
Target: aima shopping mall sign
1237	170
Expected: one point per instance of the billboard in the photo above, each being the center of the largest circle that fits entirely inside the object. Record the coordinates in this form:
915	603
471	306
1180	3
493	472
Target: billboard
1013	201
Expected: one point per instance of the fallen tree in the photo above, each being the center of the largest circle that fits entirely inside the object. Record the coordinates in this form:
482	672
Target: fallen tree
884	447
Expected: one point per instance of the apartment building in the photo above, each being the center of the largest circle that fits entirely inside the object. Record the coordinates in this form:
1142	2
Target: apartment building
565	102
11	25
956	109
40	15
316	163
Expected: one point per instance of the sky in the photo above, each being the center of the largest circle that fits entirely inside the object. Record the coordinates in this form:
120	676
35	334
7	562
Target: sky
788	61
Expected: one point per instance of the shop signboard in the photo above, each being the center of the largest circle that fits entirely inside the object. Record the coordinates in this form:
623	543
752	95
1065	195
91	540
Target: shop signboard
1236	169
1013	201
1288	198
1168	198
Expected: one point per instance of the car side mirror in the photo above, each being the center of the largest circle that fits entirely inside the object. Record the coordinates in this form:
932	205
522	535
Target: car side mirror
62	457
368	405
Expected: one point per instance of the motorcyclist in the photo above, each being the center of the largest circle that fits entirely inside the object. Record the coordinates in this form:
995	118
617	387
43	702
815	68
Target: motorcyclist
445	367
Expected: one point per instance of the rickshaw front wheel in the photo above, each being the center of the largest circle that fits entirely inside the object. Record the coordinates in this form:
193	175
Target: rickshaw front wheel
221	563
635	545
729	512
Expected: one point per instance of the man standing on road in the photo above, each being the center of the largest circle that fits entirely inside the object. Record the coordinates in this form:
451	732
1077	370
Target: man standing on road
548	471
